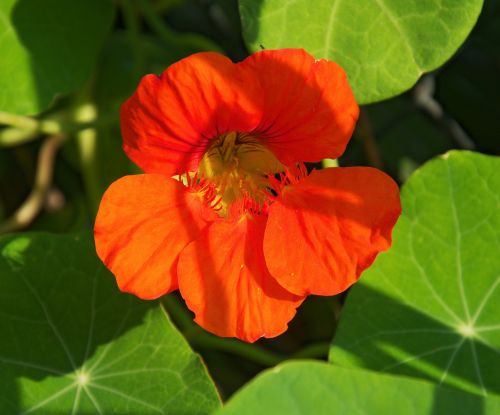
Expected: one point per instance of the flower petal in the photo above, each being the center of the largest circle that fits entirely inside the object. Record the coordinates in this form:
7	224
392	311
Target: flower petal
170	120
224	279
325	230
143	222
301	108
309	109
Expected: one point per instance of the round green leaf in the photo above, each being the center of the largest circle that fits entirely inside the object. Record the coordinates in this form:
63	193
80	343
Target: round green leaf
319	388
48	47
384	45
430	307
72	343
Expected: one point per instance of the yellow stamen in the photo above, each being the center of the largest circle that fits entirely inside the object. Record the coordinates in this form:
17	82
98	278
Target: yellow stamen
239	165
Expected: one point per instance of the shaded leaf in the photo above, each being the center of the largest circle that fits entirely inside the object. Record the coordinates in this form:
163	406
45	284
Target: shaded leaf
469	86
72	343
405	137
48	48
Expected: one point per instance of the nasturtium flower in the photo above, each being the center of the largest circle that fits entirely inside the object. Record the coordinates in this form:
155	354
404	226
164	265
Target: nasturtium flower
226	211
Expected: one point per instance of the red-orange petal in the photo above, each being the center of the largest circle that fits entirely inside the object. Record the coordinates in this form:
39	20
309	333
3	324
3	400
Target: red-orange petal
301	108
143	223
224	279
309	110
170	120
325	230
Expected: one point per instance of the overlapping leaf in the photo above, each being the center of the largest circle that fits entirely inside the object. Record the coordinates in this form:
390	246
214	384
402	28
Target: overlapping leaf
72	343
385	45
430	307
319	388
48	48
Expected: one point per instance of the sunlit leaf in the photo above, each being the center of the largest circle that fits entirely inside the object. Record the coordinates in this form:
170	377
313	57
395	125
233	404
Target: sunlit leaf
319	388
72	343
385	45
430	307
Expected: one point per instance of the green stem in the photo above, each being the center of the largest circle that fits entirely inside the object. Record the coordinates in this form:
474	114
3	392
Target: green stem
20	133
20	129
313	351
12	136
248	351
18	121
85	111
30	125
178	312
326	163
199	338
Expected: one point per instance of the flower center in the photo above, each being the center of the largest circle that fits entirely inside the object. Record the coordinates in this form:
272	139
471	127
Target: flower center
239	167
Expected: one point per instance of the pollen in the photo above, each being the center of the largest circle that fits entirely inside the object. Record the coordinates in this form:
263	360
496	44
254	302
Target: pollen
239	167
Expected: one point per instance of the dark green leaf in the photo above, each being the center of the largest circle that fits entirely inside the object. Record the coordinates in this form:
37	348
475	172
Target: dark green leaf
72	343
469	86
48	47
405	137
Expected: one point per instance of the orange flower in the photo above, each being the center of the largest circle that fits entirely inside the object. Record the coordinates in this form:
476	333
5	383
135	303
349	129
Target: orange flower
226	211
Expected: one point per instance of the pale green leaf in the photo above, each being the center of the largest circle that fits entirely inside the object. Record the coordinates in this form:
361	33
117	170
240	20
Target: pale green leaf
384	45
430	307
318	388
